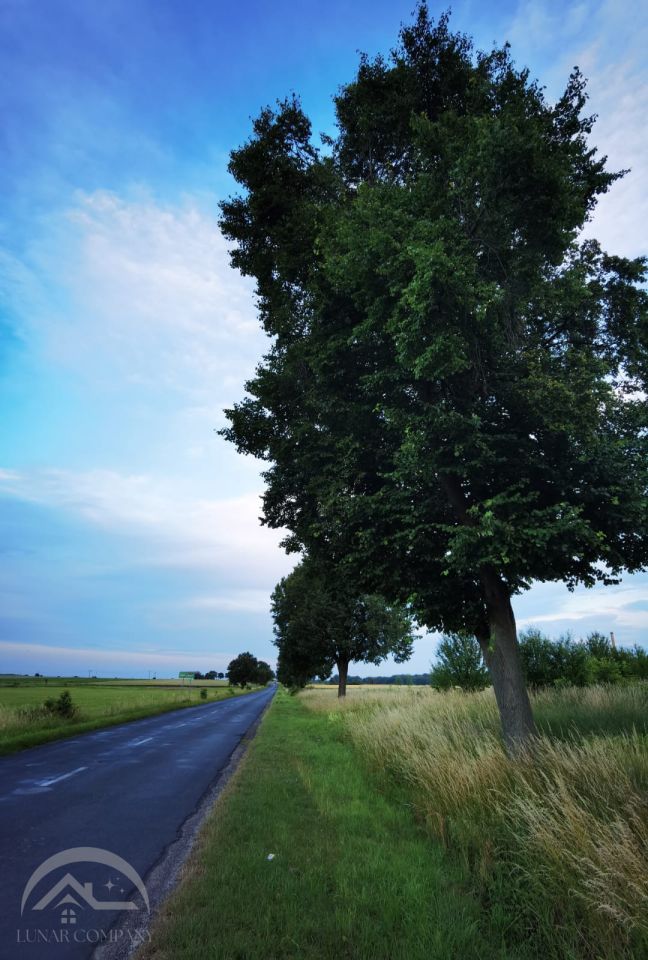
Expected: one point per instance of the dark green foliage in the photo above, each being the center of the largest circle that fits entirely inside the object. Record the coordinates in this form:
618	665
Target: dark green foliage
264	673
246	669
242	670
449	407
459	664
549	663
203	694
63	706
320	622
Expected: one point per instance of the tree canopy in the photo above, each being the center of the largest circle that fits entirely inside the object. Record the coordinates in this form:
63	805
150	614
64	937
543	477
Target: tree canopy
450	406
459	664
321	623
246	669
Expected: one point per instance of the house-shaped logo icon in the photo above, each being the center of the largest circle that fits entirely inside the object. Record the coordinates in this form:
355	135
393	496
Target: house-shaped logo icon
85	895
70	895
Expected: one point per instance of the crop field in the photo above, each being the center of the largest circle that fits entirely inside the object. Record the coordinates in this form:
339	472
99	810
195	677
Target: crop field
25	721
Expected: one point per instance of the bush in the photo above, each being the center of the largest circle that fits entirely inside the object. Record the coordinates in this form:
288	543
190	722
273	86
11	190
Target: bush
541	661
459	664
605	670
567	662
64	706
203	694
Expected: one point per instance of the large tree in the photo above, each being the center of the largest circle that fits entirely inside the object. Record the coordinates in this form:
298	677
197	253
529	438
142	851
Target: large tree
243	670
321	622
449	406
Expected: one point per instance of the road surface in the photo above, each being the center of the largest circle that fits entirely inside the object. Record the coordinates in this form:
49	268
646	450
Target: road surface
127	791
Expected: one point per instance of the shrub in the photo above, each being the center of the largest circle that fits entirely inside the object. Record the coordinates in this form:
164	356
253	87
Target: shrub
541	659
64	706
459	664
599	646
605	670
203	694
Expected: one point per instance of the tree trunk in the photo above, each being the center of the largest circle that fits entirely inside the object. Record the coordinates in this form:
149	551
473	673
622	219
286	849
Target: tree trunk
499	642
502	657
343	670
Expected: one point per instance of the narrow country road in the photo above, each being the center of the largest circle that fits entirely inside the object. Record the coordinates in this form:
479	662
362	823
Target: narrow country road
126	790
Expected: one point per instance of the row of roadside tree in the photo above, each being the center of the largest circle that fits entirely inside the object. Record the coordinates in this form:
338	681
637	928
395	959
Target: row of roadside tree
453	401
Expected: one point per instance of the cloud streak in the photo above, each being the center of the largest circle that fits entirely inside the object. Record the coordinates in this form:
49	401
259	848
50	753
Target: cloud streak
171	529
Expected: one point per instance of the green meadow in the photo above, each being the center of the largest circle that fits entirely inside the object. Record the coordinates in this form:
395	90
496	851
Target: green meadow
26	722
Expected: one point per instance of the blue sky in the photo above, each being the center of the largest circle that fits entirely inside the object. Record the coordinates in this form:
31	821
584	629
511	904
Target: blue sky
130	534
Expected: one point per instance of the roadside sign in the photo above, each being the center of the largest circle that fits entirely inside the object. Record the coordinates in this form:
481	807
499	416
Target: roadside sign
187	674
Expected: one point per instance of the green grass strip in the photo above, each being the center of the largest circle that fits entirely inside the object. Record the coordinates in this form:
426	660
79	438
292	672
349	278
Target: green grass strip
352	876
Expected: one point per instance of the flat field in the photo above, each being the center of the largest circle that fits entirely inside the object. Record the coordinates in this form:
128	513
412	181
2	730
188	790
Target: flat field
24	722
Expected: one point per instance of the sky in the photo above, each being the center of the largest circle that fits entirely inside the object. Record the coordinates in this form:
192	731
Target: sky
130	534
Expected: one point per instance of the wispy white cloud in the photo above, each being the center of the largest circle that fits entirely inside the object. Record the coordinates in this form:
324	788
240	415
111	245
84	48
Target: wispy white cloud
623	608
134	292
65	660
249	601
172	528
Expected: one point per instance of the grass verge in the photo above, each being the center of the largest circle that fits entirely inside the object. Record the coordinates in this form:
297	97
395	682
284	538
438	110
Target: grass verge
556	841
22	723
352	874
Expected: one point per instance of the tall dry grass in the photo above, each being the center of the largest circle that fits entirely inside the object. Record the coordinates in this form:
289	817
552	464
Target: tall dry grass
557	838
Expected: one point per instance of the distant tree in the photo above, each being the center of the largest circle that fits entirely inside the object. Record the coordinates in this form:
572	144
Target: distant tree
451	403
459	664
211	675
543	661
598	645
564	660
243	670
221	676
265	673
321	622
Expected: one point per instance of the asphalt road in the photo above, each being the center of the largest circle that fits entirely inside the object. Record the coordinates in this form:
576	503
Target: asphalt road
126	790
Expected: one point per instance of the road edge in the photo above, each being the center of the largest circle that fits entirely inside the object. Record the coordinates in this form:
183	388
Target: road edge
127	935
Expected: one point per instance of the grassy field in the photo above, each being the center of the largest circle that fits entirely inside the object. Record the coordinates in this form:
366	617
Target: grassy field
400	829
99	703
21	680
